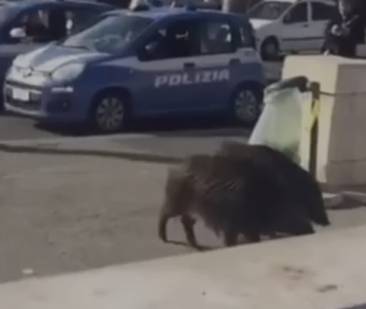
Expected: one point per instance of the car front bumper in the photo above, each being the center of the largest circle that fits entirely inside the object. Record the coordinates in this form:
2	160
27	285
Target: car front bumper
46	103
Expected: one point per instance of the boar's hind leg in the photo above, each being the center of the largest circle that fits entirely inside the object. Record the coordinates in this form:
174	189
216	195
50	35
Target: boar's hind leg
188	224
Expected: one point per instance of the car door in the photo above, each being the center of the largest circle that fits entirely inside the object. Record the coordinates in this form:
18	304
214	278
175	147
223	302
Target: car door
162	82
321	14
215	63
295	29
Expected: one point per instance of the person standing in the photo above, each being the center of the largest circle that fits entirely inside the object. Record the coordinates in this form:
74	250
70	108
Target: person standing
345	31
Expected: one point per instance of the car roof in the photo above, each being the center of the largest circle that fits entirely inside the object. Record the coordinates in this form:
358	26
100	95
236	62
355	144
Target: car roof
161	13
24	4
290	1
295	1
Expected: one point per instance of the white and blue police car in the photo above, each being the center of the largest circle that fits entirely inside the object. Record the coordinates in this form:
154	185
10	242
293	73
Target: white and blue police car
157	62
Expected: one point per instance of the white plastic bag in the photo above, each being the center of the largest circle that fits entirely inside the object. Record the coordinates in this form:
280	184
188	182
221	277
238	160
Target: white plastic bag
279	125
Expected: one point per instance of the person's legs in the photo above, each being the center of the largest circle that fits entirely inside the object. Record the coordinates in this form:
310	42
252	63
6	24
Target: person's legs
347	49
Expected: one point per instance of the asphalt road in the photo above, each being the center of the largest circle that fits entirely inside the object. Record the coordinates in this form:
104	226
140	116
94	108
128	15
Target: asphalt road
18	128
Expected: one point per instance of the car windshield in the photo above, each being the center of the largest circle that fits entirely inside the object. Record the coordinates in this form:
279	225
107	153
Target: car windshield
110	35
269	10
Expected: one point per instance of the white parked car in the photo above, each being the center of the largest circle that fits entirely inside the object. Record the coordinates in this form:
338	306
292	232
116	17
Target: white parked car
290	25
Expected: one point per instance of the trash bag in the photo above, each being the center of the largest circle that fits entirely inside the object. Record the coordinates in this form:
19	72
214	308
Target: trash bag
279	125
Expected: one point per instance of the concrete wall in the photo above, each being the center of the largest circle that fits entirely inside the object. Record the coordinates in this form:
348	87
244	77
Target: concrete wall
323	271
341	154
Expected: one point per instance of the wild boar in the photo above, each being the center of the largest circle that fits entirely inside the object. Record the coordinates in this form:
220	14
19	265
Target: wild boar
234	195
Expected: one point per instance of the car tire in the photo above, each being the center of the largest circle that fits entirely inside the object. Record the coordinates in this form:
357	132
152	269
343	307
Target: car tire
246	105
110	112
270	49
2	107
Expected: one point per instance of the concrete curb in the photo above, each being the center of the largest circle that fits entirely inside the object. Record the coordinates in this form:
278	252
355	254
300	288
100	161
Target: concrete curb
133	155
332	200
355	195
130	147
344	200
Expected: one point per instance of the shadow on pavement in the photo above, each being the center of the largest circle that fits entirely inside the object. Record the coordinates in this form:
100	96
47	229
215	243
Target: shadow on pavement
183	244
362	306
159	127
63	130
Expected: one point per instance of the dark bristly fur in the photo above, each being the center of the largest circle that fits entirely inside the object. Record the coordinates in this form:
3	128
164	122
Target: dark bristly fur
302	186
249	190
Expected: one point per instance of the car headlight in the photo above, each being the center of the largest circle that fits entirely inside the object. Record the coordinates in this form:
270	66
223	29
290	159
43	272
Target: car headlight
68	72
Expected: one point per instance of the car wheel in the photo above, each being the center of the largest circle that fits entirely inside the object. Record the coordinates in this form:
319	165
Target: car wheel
110	113
247	105
270	49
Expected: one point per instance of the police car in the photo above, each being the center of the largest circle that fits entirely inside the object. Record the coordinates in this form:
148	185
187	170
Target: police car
158	62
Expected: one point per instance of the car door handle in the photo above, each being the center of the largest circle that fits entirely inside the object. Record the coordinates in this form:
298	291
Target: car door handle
306	26
189	65
234	61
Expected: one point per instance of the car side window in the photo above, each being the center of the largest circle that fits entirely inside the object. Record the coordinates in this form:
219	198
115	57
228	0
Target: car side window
247	38
173	41
322	12
298	14
42	25
31	26
215	37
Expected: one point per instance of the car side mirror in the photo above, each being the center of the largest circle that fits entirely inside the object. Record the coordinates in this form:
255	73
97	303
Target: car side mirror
17	33
147	52
141	54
